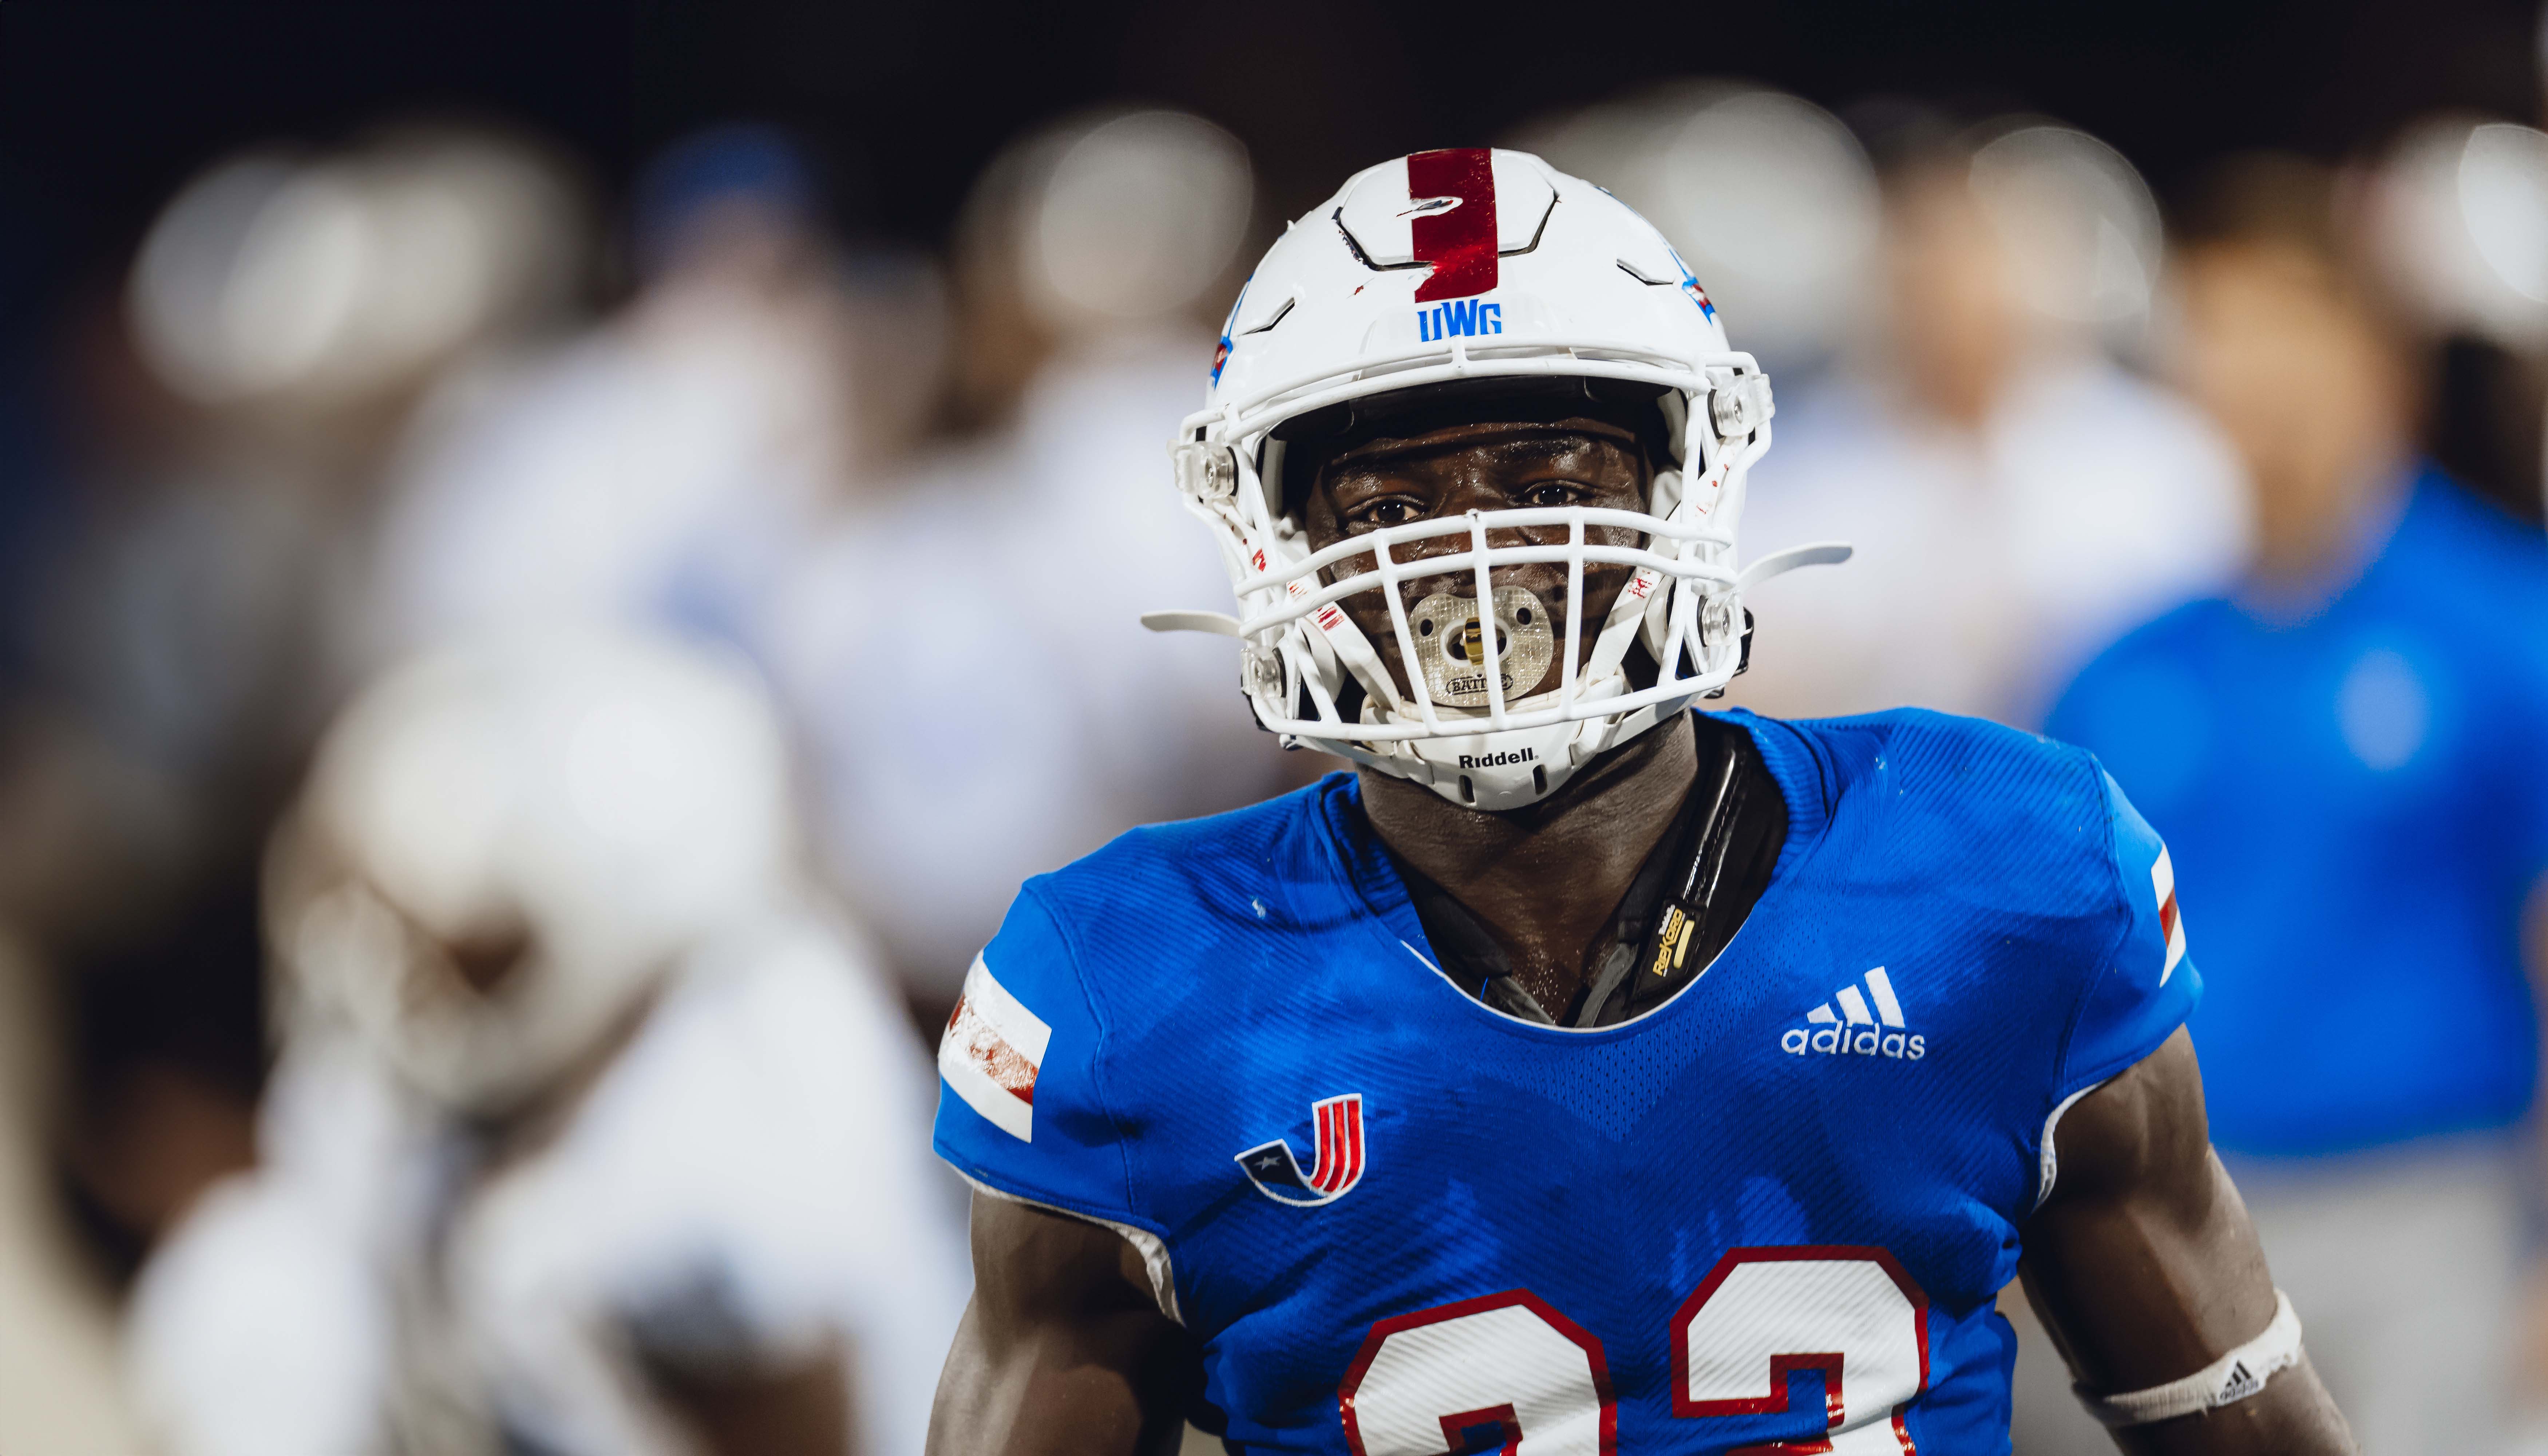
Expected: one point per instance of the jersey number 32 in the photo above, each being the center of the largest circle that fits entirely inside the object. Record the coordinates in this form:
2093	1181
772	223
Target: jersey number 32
1509	1373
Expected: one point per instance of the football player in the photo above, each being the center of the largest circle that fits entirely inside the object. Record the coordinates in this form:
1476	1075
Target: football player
1583	1073
589	1134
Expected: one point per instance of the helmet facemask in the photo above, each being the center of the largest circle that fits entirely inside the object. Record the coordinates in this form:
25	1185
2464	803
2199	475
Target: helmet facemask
1593	601
1440	629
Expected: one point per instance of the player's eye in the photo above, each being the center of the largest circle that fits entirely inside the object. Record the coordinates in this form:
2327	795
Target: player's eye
1391	512
1551	493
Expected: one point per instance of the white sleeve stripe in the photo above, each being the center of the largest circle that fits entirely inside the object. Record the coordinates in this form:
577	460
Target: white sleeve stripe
1001	1107
1017	1025
992	1053
2171	921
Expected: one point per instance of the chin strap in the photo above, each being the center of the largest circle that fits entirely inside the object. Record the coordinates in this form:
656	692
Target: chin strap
2225	1382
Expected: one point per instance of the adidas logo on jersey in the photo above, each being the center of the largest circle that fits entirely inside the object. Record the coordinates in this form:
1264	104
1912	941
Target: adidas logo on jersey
1855	1030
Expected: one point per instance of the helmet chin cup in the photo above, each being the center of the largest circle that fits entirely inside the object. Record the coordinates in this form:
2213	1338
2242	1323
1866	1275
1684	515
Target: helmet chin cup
1496	772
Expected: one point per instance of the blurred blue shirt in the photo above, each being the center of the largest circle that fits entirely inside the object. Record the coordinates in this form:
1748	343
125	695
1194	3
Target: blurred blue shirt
2356	801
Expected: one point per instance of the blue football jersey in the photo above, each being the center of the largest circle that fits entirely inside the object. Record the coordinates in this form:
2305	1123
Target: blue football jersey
1775	1209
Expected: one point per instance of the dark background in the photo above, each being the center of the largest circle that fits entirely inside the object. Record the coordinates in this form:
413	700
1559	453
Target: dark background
105	108
108	106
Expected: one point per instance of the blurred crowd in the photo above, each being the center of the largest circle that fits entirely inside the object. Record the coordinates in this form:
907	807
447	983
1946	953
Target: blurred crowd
521	713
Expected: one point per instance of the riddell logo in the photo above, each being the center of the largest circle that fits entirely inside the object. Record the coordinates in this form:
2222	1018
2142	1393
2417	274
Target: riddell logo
1856	1031
1497	760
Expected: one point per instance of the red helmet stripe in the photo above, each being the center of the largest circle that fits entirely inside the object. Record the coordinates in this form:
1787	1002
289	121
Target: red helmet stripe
1460	242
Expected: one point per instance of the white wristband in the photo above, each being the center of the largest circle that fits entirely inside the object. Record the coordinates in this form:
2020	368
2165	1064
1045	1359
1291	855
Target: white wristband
2231	1379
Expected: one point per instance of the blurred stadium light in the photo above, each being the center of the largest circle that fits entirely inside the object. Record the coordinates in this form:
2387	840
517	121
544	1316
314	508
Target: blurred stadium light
2081	230
279	279
1769	198
1133	220
2460	223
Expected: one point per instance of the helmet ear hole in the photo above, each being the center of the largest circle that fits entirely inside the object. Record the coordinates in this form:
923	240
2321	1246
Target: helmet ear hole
1349	699
1644	669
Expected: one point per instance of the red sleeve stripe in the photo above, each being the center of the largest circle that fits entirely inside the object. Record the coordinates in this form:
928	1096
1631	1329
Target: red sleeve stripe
992	1050
983	1045
2171	926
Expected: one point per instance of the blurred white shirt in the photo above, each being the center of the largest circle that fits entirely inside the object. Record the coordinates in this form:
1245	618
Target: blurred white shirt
655	470
750	1178
1990	564
968	659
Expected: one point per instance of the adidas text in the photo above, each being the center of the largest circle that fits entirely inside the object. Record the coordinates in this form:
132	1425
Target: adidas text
1868	1023
1861	1043
1498	761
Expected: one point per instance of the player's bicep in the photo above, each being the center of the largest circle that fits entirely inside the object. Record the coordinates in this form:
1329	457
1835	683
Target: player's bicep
2145	1268
1063	1348
2142	1259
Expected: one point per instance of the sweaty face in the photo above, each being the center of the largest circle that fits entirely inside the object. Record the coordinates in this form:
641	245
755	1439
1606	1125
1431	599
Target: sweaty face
1445	472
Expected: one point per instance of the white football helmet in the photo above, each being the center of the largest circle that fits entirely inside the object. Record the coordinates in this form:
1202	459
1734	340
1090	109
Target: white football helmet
609	798
1424	272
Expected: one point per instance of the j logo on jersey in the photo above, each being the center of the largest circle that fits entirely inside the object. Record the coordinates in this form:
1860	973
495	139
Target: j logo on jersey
1336	1123
1868	1023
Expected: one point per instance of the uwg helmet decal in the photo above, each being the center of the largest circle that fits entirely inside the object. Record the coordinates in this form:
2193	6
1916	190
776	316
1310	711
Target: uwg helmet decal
1336	1123
1456	233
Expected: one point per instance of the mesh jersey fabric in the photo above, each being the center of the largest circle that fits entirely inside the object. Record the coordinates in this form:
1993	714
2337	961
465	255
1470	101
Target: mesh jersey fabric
1587	1235
2358	805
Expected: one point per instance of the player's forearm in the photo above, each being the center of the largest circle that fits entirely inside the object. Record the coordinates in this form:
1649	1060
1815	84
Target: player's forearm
2159	1314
